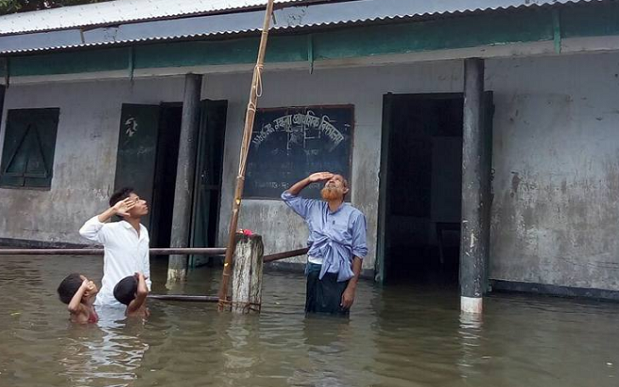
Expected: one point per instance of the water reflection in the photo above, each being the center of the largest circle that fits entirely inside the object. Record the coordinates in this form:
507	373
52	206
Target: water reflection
105	354
396	336
470	337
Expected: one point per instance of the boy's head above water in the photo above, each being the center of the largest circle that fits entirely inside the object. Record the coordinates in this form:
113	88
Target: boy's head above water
139	209
71	284
126	289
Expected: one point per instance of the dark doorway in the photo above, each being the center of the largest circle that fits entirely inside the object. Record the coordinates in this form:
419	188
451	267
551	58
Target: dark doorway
209	169
147	158
421	177
165	173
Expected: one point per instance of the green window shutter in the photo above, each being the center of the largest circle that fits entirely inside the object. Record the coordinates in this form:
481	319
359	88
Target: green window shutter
29	145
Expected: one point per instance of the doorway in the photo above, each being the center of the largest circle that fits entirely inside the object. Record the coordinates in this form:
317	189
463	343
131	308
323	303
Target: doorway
165	173
420	194
209	170
147	159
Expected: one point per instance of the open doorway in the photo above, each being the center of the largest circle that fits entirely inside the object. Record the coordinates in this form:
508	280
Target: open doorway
165	173
420	198
147	159
209	170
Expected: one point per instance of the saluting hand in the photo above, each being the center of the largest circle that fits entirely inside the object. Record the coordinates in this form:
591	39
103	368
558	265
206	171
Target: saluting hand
319	176
122	207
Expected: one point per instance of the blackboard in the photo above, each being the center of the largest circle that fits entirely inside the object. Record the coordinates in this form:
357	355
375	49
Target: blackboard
290	143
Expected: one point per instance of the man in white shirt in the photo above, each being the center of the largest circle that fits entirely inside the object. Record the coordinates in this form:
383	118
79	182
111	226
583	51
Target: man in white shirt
125	243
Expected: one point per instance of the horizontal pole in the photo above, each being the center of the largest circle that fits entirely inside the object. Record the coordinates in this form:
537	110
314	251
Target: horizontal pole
284	255
166	251
182	297
161	251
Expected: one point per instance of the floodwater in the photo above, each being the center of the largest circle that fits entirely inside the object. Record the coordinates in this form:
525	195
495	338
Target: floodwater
398	336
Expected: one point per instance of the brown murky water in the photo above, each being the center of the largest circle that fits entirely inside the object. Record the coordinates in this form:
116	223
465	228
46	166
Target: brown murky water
400	336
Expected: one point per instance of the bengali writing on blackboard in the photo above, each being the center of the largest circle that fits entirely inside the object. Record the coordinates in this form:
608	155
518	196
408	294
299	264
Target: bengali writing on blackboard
290	143
308	120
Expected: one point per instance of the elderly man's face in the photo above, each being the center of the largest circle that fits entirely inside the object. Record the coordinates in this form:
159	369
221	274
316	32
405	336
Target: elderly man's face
334	189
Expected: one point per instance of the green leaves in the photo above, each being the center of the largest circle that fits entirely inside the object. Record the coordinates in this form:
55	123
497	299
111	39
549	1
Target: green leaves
12	6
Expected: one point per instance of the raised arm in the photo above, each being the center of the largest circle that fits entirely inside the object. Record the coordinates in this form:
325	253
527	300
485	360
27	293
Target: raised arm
140	296
91	230
298	204
313	178
75	306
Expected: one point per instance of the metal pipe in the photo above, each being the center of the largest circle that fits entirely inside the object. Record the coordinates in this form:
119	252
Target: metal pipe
212	251
182	297
166	251
287	254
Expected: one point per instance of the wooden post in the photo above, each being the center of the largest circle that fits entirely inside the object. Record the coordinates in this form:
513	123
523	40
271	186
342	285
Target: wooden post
247	274
185	173
254	92
472	245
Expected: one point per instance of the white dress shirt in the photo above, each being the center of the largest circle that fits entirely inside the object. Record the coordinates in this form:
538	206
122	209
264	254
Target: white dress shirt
126	253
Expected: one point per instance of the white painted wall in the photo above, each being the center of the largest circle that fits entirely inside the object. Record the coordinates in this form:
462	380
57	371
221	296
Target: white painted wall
556	160
555	125
556	156
85	157
363	87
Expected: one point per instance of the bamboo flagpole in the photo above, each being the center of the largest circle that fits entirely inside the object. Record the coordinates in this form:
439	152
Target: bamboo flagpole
254	93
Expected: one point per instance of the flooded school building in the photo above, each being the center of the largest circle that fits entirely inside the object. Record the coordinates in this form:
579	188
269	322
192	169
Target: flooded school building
107	95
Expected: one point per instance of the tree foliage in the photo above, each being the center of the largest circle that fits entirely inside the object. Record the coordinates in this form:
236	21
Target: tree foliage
12	6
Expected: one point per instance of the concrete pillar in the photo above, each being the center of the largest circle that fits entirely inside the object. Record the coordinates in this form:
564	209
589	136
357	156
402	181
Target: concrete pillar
486	184
185	174
472	243
247	274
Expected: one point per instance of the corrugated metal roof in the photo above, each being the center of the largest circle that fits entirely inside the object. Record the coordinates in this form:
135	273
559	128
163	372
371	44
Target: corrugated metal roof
293	16
118	11
124	11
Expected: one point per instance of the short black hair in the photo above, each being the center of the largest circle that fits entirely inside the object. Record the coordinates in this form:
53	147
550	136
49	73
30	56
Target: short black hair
121	194
69	286
125	289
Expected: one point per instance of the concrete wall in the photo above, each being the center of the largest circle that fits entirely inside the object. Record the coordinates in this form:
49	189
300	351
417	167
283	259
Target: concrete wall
85	157
555	216
363	87
556	157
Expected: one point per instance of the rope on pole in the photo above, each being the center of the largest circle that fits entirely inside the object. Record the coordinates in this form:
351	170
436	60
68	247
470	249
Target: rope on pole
254	93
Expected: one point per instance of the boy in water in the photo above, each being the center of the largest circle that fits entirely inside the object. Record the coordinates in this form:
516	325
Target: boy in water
79	293
125	243
132	291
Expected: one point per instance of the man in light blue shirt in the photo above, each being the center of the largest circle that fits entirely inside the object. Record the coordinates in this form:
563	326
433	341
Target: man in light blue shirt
337	243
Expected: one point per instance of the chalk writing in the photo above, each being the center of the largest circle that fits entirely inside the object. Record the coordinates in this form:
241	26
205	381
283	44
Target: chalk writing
131	126
291	142
300	128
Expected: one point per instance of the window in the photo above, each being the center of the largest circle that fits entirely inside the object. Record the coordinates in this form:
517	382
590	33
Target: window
28	151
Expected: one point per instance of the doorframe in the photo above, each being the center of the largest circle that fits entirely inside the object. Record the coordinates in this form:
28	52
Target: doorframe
200	162
158	174
382	244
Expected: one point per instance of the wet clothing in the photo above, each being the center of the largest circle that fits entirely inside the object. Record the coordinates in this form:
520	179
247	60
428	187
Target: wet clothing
324	295
335	237
93	317
125	253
